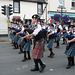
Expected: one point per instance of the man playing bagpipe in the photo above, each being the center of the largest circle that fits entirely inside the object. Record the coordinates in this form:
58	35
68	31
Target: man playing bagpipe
19	42
15	38
37	52
70	48
26	48
51	40
65	29
58	29
52	35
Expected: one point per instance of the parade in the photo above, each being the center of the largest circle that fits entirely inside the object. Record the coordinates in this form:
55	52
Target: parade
23	36
41	37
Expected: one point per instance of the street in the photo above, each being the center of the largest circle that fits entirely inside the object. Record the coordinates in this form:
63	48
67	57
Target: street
11	64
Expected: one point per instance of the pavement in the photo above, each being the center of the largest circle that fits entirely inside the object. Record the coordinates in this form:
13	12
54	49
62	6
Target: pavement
5	39
11	64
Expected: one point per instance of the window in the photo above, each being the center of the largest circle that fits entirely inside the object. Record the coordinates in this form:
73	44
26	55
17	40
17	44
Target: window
40	8
73	3
16	8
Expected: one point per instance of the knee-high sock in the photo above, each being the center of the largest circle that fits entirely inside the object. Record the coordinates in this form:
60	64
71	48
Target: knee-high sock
40	62
28	52
36	63
57	43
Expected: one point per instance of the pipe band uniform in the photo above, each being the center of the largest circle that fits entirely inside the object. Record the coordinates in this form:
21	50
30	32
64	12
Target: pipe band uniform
37	52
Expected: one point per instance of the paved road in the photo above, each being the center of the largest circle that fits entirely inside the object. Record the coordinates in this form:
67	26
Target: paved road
10	62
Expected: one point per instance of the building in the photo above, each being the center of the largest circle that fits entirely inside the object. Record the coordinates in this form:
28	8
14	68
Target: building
68	8
22	9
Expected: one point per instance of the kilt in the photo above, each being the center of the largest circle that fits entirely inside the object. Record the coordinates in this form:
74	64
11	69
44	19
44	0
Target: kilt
44	40
19	42
58	38
15	39
11	35
50	44
64	35
71	50
27	46
38	50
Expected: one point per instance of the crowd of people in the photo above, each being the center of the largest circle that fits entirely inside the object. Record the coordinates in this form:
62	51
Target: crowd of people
38	34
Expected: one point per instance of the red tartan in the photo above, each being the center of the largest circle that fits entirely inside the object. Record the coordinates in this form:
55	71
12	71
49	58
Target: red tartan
37	52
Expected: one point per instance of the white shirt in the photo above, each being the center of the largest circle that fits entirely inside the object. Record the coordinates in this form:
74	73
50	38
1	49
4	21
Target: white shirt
60	27
37	30
51	30
66	28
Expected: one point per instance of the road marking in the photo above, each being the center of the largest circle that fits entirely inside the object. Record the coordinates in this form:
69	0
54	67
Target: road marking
51	69
21	68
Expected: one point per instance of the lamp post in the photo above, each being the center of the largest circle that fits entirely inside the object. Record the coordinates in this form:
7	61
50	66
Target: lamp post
61	9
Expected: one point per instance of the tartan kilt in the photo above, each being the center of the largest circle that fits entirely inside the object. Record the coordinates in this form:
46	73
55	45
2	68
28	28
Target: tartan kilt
58	38
27	46
71	50
11	35
50	44
44	40
64	35
15	39
19	42
38	50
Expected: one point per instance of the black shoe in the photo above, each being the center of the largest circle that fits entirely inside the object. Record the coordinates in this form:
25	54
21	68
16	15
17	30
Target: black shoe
28	58
42	68
68	66
35	69
49	55
52	55
24	59
20	52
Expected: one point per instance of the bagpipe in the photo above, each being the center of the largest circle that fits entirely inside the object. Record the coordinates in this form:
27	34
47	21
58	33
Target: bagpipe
9	28
54	35
70	37
15	29
41	34
22	34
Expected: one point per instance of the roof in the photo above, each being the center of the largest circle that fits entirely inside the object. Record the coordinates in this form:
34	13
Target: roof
37	1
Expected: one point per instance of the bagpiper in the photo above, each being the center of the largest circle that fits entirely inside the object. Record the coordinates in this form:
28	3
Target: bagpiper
37	52
70	48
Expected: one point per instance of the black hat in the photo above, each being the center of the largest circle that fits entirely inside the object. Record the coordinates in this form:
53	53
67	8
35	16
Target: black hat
71	26
26	26
51	25
36	16
11	22
21	21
